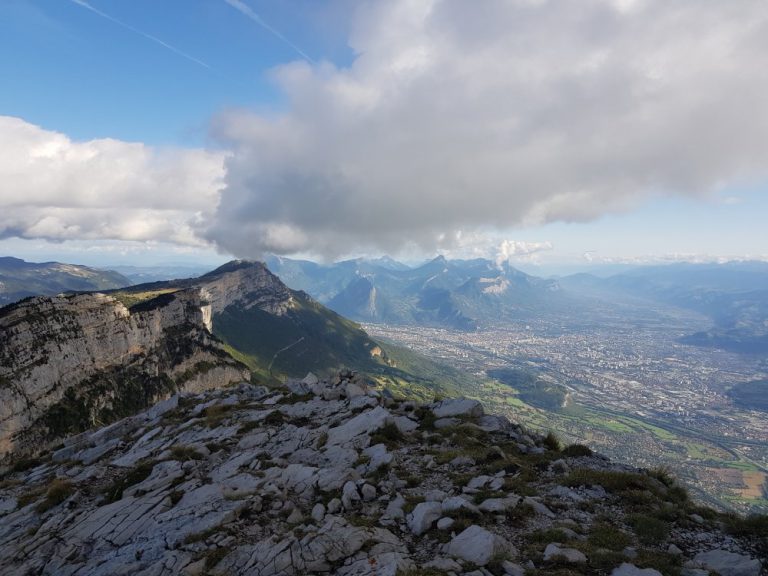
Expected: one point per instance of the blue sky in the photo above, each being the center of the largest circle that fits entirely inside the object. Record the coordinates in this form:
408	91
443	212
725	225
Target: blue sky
200	134
70	70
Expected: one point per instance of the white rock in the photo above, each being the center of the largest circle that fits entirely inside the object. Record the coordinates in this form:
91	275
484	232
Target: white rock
512	569
454	503
539	508
570	554
435	495
349	495
364	423
368	492
394	509
494	505
405	424
444	565
441	423
674	550
728	563
445	523
162	407
298	387
423	516
334	506
378	457
632	570
295	517
477	483
458	407
310	379
352	390
318	511
7	505
479	546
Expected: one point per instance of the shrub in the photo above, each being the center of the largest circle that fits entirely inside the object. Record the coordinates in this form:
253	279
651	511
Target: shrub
577	450
649	530
184	453
58	491
389	435
604	535
114	492
552	442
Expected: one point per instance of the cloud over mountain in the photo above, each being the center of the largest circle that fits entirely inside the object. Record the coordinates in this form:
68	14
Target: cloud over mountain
451	121
453	117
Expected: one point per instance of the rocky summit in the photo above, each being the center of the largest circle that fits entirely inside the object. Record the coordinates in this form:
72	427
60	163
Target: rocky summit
336	477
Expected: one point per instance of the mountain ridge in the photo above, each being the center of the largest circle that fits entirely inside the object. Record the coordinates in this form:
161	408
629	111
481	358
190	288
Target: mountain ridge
335	477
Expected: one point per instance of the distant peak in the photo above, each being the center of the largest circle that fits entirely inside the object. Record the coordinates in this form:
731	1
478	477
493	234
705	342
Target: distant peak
234	266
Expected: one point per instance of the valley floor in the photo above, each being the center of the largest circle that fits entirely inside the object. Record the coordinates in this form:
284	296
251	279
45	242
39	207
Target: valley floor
634	393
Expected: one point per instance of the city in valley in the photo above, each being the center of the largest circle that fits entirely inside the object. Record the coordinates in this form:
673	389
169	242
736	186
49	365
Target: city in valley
624	386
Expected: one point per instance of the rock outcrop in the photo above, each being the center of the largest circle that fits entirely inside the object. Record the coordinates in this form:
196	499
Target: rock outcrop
70	362
327	478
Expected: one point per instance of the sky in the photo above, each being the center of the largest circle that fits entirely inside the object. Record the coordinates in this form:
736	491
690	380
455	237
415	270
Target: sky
551	134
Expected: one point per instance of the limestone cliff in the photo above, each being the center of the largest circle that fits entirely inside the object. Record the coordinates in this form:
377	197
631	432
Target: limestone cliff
71	362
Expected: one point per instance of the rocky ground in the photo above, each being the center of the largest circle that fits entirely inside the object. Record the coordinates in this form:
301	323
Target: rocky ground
336	478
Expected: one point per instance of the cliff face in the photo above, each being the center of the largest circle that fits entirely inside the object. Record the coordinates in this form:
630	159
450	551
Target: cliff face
248	284
68	363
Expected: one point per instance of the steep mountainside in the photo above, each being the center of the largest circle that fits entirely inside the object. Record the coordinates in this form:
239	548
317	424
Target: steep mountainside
72	362
271	328
69	363
20	279
453	293
332	477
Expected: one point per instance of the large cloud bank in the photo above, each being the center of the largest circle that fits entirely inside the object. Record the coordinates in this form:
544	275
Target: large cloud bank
456	115
455	118
54	188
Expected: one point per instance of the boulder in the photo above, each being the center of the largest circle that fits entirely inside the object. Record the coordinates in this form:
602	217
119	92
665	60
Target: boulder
479	546
728	563
457	407
423	516
364	423
571	555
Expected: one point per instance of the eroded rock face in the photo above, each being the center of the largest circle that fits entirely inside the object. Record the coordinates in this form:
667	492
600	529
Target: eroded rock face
69	362
245	480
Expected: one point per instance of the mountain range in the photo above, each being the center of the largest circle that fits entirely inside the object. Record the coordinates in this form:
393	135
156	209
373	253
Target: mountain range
466	294
456	294
19	279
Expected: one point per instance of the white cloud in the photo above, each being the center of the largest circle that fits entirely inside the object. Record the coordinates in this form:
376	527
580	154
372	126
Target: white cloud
453	117
57	189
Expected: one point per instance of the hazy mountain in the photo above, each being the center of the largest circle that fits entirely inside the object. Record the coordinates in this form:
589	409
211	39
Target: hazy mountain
451	293
144	274
734	295
20	279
